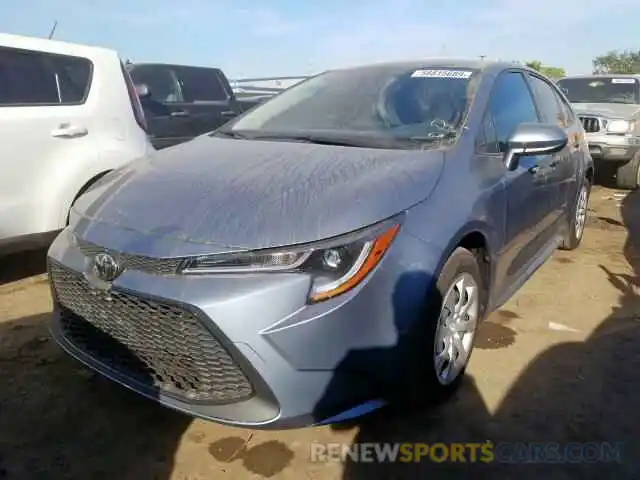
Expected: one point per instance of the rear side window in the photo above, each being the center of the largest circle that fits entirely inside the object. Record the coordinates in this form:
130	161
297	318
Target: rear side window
548	102
511	104
73	75
35	78
201	85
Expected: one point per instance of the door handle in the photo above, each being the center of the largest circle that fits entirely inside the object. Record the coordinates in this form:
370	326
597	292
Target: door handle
180	113
66	130
228	113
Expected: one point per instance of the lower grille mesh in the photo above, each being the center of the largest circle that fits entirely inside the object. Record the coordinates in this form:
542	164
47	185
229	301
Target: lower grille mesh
160	346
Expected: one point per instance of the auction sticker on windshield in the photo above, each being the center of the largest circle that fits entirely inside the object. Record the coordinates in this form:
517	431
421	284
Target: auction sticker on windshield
442	74
623	80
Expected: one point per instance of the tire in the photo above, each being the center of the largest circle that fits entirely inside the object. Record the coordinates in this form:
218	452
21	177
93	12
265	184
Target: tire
605	173
575	232
628	174
426	386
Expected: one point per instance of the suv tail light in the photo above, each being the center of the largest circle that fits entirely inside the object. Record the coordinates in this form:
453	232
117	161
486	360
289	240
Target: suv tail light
133	97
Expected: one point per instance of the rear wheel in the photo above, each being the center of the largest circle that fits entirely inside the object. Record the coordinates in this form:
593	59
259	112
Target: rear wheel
628	174
578	218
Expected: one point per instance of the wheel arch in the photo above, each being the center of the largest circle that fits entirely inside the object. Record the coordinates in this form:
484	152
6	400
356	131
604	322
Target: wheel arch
478	240
79	192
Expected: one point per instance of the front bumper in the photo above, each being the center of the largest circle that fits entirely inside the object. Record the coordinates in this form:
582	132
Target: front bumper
240	350
612	147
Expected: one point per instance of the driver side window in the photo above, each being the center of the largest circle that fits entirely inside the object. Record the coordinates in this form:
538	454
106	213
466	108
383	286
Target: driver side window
510	105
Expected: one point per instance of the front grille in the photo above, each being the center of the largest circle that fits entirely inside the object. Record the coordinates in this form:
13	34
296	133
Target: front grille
590	124
157	266
161	347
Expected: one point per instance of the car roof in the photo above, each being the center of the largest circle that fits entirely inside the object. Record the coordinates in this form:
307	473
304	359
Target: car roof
607	75
51	46
173	65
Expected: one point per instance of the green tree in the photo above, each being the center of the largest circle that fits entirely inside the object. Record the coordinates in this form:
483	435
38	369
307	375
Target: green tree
551	72
617	61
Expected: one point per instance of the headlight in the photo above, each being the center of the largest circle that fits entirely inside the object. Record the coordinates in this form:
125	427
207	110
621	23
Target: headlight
336	265
620	126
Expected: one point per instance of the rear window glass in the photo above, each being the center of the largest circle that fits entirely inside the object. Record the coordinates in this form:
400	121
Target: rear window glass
201	85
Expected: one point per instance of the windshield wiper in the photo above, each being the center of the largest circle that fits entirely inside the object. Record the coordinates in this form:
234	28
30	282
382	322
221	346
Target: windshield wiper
434	138
384	142
229	134
329	140
321	140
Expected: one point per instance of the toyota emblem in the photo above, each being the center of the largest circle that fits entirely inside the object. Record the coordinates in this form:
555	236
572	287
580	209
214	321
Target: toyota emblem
105	267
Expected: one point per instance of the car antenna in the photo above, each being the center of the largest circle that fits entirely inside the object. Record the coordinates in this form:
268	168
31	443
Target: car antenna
53	29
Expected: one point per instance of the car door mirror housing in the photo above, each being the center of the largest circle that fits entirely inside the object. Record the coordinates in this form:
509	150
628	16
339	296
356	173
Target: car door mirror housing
143	91
533	139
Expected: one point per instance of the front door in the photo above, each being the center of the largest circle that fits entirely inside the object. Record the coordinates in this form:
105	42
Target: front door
527	189
167	119
207	105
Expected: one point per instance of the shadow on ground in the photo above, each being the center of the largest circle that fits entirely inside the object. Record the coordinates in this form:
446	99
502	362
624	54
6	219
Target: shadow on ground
58	420
22	265
573	392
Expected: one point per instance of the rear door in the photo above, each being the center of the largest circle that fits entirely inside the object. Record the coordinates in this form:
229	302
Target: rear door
562	166
207	101
45	123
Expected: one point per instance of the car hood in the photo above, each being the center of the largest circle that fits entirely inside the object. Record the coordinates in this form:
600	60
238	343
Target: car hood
238	194
611	110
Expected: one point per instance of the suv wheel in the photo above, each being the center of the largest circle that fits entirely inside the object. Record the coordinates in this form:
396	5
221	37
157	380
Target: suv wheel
628	174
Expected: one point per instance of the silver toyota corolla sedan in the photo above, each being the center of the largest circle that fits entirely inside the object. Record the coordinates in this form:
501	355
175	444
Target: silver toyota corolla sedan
327	252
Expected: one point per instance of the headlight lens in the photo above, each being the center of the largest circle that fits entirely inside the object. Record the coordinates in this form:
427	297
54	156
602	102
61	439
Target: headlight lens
620	126
336	265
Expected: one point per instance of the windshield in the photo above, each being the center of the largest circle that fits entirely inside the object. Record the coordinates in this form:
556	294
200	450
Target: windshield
600	90
370	104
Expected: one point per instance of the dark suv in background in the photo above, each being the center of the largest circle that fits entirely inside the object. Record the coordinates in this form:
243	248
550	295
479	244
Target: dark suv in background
181	102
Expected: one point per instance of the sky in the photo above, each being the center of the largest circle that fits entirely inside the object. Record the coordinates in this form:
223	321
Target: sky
287	37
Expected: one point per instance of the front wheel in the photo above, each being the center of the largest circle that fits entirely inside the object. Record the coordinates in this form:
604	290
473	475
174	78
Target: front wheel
578	218
456	306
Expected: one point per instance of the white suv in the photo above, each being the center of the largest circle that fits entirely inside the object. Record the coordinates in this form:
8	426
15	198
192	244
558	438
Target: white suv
68	115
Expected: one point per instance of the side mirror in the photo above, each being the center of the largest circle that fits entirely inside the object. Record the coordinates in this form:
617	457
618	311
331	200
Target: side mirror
142	89
533	139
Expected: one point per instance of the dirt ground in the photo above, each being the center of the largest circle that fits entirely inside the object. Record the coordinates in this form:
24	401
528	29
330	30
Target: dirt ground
559	362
